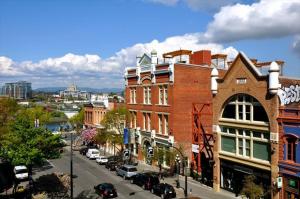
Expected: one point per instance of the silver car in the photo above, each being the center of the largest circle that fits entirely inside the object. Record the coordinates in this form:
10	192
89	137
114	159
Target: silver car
126	171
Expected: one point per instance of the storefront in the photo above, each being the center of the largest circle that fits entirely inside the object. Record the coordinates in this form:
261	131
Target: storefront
233	175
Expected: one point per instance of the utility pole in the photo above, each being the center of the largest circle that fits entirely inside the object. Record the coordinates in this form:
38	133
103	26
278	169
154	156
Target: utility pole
71	165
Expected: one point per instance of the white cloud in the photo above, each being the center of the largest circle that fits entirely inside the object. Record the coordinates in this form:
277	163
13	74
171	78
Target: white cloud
205	5
8	67
264	19
296	45
165	2
93	71
208	5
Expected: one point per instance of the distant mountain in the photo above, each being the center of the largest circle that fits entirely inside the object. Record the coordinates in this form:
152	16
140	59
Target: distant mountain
91	90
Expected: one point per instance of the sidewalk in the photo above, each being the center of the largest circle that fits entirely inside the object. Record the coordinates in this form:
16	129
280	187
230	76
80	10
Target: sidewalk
194	188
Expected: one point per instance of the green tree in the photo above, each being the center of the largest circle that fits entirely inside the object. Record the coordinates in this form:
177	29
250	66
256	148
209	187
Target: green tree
8	110
78	120
116	119
251	189
25	144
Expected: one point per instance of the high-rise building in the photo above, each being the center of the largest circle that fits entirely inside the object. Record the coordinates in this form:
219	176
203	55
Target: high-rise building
17	90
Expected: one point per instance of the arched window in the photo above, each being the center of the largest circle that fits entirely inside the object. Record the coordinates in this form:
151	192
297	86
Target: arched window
246	140
243	107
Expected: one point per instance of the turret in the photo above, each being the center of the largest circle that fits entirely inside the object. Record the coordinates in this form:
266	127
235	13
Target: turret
154	61
214	85
274	78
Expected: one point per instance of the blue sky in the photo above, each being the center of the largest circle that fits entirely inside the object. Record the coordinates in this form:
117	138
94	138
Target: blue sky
90	42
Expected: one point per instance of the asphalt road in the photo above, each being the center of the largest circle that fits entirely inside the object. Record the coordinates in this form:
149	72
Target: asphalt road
87	173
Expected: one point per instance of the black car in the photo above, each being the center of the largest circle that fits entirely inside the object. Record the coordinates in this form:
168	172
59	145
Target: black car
145	180
83	151
111	165
106	190
164	190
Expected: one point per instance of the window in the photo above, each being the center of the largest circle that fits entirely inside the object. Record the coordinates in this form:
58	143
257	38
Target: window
243	107
147	95
160	124
148	121
134	119
166	125
133	95
291	148
228	144
144	121
248	143
163	95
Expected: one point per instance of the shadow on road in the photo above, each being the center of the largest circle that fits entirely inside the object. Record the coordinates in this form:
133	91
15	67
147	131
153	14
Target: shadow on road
87	194
55	185
46	166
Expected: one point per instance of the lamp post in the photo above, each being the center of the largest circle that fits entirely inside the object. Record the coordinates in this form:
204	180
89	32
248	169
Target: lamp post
71	163
183	167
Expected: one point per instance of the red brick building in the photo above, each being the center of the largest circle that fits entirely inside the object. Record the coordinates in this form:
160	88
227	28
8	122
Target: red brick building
289	133
166	99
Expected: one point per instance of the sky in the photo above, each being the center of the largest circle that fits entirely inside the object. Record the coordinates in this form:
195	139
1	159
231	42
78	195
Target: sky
54	43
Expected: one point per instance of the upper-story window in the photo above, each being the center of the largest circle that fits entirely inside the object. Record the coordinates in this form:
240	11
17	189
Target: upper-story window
246	143
243	107
147	121
132	95
133	119
166	126
163	124
290	143
147	95
163	95
160	124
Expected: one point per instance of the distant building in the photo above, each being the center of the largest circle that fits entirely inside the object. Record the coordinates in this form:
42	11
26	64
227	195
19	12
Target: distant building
17	90
73	92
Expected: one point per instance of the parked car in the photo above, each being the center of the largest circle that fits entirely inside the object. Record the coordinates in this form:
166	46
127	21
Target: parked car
93	153
126	171
145	180
21	172
111	165
83	151
102	160
164	190
106	190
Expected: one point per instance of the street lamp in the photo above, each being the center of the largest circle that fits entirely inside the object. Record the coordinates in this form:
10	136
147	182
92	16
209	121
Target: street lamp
71	163
177	159
183	167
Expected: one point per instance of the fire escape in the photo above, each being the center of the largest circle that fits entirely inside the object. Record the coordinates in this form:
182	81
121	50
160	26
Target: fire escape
202	134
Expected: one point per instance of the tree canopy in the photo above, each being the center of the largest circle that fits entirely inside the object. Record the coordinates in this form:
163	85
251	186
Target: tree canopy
116	118
23	143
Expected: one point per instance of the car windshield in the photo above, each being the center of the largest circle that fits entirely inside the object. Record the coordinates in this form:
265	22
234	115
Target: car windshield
132	169
108	186
95	152
21	171
155	180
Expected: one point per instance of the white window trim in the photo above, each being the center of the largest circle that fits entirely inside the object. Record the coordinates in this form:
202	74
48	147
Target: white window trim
251	138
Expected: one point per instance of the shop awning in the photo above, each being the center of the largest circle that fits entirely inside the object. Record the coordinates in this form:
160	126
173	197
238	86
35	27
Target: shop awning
295	130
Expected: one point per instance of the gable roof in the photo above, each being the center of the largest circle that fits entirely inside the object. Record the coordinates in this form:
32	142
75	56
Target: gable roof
248	63
145	60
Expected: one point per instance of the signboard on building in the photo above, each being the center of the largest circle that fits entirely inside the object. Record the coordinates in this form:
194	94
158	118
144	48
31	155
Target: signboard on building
195	148
126	136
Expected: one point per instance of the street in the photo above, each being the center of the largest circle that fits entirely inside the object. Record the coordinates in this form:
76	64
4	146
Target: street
87	174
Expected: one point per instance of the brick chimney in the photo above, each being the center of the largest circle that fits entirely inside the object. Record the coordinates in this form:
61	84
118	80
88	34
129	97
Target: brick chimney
202	57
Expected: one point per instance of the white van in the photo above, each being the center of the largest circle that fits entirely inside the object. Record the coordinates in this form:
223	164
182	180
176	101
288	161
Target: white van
93	153
21	172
